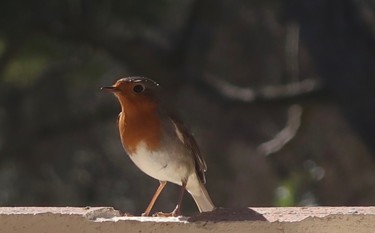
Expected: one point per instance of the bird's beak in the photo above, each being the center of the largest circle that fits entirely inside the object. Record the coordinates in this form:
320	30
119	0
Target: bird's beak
110	89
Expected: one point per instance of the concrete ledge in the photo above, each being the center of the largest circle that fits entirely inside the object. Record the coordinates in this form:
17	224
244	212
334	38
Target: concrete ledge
256	220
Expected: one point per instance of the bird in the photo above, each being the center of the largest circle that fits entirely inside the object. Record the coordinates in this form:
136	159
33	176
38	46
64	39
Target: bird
158	142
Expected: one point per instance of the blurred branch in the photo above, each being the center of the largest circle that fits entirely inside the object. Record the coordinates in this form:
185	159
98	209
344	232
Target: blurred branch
285	135
292	50
230	91
247	94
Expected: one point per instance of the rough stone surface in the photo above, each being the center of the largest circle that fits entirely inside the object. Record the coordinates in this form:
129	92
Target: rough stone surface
257	220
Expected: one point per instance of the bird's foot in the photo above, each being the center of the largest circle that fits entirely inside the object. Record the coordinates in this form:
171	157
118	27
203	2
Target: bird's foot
174	213
162	214
145	214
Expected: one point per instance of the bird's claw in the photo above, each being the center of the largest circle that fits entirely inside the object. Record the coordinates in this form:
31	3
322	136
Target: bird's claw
174	213
145	214
162	214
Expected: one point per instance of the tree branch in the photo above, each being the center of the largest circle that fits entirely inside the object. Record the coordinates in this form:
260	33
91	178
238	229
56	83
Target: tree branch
286	134
246	94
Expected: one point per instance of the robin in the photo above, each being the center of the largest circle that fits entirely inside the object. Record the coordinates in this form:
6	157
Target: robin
158	143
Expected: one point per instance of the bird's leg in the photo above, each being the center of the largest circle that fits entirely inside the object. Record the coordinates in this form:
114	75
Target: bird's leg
156	195
176	211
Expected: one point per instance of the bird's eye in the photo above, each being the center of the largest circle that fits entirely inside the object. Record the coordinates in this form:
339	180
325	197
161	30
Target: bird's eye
138	88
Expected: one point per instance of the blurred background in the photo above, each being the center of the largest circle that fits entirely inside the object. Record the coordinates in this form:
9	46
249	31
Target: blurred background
280	96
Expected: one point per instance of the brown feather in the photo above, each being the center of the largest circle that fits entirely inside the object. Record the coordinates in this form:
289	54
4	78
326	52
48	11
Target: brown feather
191	144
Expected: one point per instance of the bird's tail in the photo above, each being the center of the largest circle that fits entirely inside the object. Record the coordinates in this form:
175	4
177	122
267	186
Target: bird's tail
203	199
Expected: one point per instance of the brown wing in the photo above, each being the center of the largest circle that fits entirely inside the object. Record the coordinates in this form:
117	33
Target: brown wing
188	140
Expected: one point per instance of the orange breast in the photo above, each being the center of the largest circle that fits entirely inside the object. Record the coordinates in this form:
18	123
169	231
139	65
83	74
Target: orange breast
139	124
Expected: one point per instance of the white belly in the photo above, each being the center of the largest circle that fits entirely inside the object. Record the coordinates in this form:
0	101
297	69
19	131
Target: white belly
161	165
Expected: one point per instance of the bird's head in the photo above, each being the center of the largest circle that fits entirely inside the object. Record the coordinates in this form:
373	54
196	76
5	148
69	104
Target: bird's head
135	92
